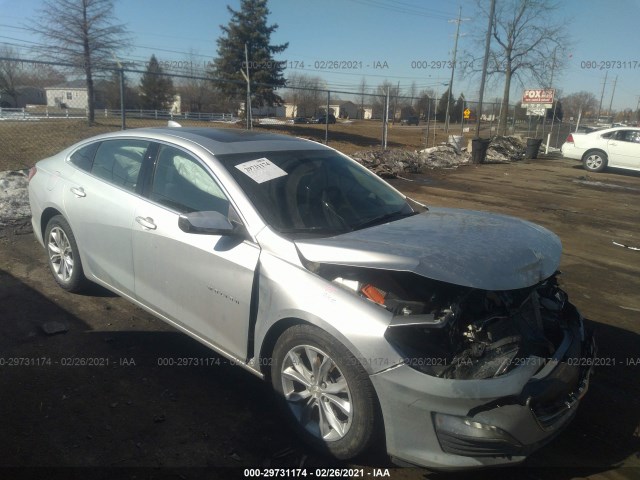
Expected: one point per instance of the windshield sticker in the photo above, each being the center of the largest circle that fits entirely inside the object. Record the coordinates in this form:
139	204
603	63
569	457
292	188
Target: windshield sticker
261	170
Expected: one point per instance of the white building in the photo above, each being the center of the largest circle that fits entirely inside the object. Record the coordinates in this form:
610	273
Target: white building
73	94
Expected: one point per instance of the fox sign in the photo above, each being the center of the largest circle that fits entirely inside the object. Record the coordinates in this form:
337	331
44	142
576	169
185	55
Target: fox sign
538	96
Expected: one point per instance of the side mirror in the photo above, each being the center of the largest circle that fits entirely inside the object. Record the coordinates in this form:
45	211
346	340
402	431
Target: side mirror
207	223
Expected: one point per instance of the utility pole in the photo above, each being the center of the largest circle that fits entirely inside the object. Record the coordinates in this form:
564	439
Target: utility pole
612	94
453	69
602	95
123	115
395	107
484	64
247	106
544	120
385	123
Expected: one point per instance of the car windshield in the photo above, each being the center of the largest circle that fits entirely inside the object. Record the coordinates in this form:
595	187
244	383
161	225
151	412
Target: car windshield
315	191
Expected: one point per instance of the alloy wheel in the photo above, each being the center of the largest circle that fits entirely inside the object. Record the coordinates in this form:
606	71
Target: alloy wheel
317	392
60	254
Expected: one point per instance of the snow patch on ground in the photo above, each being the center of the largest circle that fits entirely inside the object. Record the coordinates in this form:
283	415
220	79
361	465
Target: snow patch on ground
14	199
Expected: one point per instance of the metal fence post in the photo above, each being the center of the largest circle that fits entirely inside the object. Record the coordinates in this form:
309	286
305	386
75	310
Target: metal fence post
326	118
123	115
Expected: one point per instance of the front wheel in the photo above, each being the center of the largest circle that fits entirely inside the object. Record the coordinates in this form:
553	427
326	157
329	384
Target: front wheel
64	258
324	391
595	161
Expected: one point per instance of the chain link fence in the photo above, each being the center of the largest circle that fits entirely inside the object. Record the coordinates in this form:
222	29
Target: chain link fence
36	122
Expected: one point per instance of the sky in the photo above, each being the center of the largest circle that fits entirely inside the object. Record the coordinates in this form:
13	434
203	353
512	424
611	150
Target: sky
402	41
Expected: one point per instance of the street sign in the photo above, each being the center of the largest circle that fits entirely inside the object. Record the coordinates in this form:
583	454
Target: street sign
467	113
536	109
538	96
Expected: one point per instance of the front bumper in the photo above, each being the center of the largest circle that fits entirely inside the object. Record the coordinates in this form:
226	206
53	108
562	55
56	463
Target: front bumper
456	424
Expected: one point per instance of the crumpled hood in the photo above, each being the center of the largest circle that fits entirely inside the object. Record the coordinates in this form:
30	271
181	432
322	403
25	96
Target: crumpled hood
462	247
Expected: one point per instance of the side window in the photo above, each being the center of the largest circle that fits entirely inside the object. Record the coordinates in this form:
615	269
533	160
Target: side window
119	161
628	136
83	157
182	184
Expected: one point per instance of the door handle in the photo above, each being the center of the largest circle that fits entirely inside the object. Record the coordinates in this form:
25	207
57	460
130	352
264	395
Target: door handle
146	222
613	144
78	191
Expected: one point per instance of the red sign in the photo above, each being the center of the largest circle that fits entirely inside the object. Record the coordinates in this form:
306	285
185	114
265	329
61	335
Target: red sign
538	96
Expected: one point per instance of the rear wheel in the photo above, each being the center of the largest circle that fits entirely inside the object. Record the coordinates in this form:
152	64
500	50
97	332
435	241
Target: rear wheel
324	391
595	161
64	258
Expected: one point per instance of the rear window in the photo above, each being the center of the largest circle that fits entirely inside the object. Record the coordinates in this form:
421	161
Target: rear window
83	157
119	162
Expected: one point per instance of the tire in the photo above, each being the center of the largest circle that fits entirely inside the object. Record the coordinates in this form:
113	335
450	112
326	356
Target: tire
324	392
595	161
63	255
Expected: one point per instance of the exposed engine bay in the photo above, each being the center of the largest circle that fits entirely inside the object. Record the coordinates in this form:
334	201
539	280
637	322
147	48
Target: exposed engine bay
457	332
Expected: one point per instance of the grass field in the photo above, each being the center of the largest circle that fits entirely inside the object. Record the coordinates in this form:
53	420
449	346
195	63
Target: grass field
22	143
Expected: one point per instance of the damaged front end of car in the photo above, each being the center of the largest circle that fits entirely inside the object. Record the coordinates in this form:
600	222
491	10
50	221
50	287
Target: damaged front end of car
489	373
464	333
532	337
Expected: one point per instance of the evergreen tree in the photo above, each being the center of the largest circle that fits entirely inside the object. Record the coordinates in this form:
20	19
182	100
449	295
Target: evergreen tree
112	92
441	111
423	105
249	26
458	109
559	112
156	89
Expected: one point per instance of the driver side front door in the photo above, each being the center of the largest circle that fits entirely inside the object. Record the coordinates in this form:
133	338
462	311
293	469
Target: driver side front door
202	283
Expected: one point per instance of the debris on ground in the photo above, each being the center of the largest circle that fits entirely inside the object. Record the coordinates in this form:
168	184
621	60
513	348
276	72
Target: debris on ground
393	162
506	149
444	156
159	418
53	327
637	249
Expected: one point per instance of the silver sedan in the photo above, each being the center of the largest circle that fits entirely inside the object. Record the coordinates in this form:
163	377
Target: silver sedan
441	331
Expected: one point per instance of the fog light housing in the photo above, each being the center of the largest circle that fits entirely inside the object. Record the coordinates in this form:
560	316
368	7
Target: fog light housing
468	437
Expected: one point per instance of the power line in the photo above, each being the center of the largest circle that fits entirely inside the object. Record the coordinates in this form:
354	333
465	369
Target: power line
409	10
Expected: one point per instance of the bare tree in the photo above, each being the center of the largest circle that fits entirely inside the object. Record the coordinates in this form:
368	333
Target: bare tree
362	90
528	44
580	101
381	92
17	74
10	73
305	93
412	92
196	91
82	33
41	76
424	101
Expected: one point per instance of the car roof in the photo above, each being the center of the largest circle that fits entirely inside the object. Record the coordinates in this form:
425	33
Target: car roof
614	129
220	141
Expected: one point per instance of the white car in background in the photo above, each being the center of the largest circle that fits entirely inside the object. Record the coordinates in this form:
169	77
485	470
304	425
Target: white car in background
612	147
